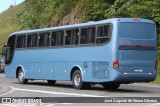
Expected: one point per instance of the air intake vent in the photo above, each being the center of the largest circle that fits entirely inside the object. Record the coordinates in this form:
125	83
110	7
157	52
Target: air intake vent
100	70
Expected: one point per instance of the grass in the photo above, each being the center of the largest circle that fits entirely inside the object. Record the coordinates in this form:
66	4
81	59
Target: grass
157	81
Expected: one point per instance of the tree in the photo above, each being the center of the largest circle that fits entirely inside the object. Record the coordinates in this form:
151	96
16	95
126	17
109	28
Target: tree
118	8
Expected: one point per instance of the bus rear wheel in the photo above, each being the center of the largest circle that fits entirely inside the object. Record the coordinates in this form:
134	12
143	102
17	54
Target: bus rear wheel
21	78
111	86
51	82
77	81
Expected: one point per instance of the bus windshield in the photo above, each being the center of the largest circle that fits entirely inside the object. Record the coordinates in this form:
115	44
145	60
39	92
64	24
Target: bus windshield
136	30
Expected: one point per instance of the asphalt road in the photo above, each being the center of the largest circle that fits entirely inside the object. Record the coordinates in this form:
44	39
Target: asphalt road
66	92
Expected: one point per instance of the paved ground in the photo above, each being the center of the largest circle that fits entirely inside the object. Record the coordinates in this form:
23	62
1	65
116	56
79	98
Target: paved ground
65	90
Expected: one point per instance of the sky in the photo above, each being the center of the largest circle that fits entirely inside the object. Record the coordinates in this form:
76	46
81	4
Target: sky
5	4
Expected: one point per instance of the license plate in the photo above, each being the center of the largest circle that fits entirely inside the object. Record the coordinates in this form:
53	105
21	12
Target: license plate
137	70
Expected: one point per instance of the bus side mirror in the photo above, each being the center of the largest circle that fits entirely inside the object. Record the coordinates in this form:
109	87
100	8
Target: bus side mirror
6	52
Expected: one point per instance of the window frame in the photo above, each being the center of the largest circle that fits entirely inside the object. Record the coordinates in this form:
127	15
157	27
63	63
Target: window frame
79	28
44	40
32	35
57	42
88	41
81	35
109	36
72	35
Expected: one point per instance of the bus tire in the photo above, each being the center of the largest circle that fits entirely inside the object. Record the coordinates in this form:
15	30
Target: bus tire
51	82
21	78
77	81
111	86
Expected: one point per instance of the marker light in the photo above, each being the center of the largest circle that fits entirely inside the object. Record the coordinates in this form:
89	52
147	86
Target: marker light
137	19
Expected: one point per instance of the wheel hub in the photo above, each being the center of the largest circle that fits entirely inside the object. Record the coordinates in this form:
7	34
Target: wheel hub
21	76
77	79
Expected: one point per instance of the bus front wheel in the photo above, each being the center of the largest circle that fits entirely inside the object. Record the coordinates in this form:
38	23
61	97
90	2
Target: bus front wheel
21	78
77	81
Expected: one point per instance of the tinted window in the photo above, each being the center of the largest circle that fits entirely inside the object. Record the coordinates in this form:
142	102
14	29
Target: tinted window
47	39
83	39
91	34
54	39
68	37
32	40
60	38
100	31
75	37
72	37
57	38
107	31
103	34
44	39
21	41
11	44
136	30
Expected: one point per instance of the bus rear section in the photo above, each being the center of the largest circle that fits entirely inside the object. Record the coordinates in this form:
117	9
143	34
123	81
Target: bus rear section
137	52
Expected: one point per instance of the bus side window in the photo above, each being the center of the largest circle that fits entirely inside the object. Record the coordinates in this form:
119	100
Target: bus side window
107	31
83	39
47	39
32	40
54	39
41	40
29	40
100	31
75	36
103	34
60	38
21	41
91	35
68	36
44	39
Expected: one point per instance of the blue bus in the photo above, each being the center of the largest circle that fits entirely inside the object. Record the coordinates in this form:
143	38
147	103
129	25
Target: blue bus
108	52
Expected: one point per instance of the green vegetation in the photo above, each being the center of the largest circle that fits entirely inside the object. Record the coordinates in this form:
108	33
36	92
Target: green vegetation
157	81
7	25
45	13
